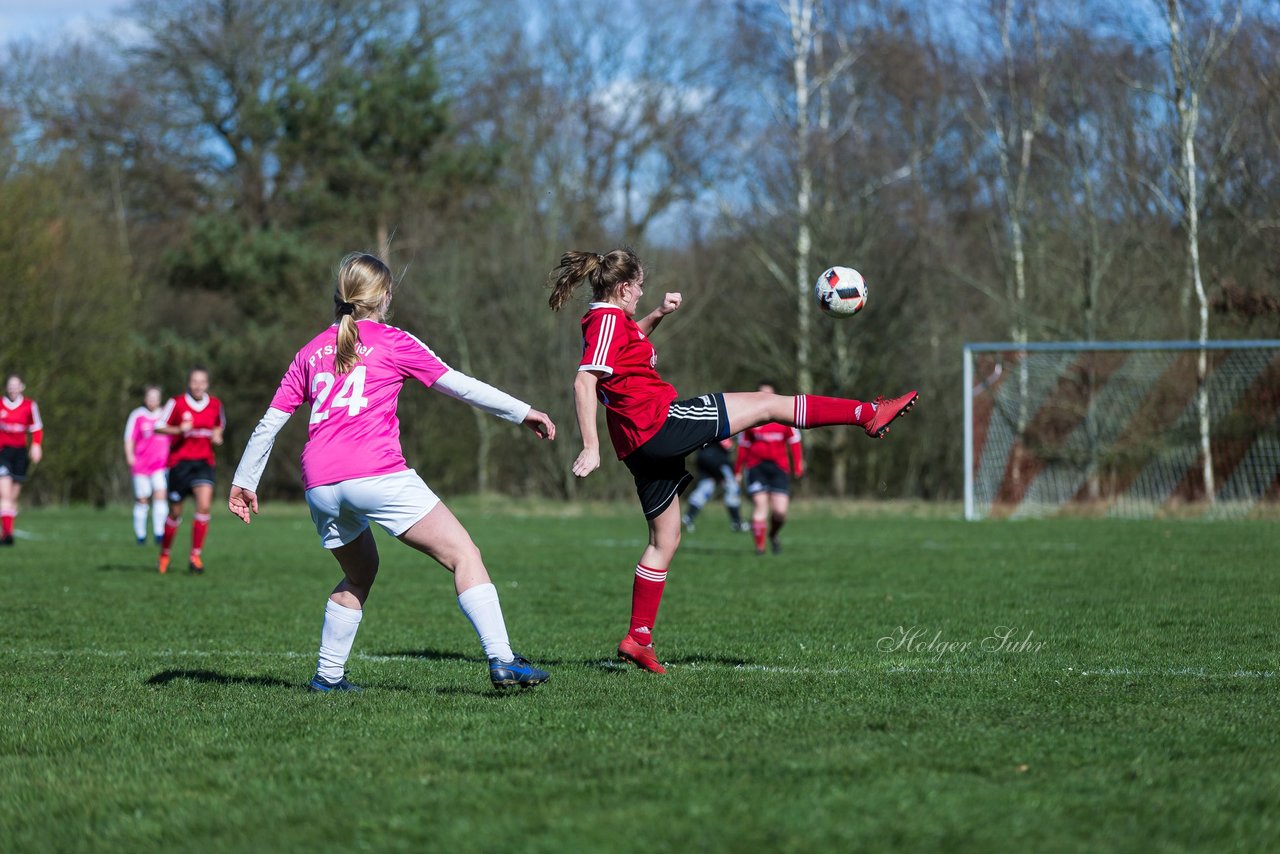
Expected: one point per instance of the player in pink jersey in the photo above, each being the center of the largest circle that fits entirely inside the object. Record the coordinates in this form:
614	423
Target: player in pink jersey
770	454
147	452
652	431
19	418
195	420
351	375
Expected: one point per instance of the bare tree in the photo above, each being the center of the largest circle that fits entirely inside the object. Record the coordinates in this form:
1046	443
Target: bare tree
1190	75
1015	119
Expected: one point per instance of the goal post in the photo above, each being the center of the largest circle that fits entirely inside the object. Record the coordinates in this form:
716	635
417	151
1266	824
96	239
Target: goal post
1130	429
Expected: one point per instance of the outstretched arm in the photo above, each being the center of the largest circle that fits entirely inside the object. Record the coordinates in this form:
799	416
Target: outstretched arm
495	402
650	321
584	404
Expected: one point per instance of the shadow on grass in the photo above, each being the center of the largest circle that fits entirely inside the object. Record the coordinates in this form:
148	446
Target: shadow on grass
214	677
166	676
129	567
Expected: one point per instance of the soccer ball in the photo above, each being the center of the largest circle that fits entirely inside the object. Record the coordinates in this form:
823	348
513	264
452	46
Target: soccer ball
841	292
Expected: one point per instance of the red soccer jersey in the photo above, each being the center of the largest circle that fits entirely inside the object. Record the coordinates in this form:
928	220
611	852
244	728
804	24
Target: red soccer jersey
206	415
770	442
17	419
636	399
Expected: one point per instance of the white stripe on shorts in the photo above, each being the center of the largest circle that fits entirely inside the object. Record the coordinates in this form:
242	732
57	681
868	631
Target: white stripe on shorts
697	413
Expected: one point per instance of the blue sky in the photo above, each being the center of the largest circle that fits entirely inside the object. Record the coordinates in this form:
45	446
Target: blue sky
42	19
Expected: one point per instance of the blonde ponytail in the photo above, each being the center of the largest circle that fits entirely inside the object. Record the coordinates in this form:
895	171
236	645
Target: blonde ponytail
363	284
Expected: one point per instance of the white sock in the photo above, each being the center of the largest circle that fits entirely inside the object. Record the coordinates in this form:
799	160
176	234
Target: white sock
159	510
140	520
336	637
481	606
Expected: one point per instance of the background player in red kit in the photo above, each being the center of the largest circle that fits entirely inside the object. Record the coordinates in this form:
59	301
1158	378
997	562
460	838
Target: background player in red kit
19	416
196	421
769	453
652	430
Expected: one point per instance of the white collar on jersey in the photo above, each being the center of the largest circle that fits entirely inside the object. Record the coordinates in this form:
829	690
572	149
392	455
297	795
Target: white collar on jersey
17	401
196	405
592	306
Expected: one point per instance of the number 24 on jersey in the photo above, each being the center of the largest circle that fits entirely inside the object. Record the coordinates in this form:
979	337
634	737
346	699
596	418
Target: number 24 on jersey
350	395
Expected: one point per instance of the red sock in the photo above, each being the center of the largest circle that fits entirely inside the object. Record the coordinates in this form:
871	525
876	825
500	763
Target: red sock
812	410
6	523
646	596
199	527
757	533
170	528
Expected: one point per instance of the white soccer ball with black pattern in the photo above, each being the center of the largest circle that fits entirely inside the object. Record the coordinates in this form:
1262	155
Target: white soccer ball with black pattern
841	292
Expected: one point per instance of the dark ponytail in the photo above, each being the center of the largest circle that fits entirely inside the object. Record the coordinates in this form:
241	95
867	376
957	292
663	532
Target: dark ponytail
605	273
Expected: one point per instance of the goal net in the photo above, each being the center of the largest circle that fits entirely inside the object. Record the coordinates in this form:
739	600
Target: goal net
1127	429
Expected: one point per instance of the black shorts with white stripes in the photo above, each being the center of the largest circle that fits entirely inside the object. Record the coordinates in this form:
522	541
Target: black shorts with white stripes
13	463
658	464
767	477
186	475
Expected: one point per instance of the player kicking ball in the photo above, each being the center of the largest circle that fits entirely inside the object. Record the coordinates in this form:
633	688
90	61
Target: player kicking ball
652	430
354	471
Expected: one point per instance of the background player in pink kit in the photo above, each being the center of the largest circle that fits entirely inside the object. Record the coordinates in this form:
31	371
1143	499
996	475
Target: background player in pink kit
195	421
651	430
147	453
354	471
769	453
19	417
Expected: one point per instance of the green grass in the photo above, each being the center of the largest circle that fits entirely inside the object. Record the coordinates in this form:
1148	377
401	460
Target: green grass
149	712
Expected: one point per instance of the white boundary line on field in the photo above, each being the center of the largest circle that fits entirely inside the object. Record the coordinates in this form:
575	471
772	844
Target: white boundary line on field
1197	672
1192	672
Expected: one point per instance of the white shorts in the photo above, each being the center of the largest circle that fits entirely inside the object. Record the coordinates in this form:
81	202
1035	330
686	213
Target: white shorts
146	485
342	511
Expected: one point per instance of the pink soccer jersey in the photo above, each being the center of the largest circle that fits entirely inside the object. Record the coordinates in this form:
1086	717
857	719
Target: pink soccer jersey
354	431
150	449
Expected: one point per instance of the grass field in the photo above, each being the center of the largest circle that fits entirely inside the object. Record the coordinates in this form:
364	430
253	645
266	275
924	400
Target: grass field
1137	712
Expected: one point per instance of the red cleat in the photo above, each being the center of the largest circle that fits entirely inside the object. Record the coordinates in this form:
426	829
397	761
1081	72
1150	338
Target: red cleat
641	656
887	410
164	564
